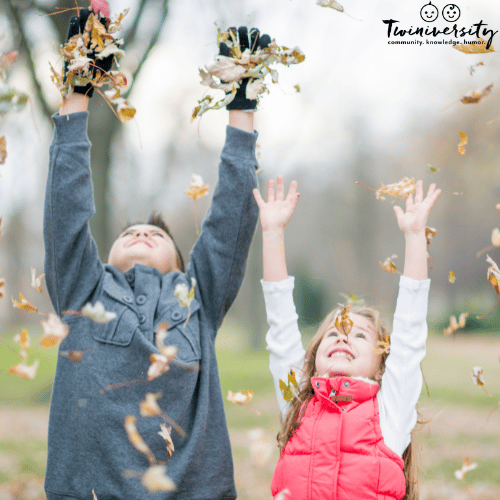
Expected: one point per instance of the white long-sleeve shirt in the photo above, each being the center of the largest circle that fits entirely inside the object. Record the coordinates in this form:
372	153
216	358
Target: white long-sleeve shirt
402	380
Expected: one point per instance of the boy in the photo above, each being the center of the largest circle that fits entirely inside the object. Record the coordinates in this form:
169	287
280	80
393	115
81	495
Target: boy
88	446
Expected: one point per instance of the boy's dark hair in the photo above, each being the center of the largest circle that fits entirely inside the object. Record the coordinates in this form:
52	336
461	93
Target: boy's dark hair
156	219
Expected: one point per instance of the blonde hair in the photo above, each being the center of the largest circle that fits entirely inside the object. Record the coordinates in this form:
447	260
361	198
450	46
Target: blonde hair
299	403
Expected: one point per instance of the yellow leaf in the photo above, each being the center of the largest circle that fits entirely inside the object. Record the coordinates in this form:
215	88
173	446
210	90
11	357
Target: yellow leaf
24	304
451	277
54	331
430	232
197	189
288	390
463	142
478	47
135	438
126	113
24	339
22	370
240	398
384	345
476	96
3	149
155	479
388	264
454	325
343	321
149	407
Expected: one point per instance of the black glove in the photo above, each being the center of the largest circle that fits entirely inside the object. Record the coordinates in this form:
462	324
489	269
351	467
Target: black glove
77	25
257	41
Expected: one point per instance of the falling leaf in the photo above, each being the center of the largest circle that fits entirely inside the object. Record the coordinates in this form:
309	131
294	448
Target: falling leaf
2	284
149	407
493	277
289	390
261	447
3	149
94	496
101	5
97	313
135	438
165	434
36	283
185	296
495	237
463	142
476	96
24	304
343	321
75	356
240	398
22	370
384	345
6	60
431	169
160	362
430	232
472	68
330	3
466	467
477	47
497	206
455	325
24	339
155	479
477	375
297	87
54	331
451	277
197	189
402	188
388	264
11	100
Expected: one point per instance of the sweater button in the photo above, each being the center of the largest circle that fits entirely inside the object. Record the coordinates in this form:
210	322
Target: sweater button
130	278
176	315
128	299
142	319
346	384
141	300
316	384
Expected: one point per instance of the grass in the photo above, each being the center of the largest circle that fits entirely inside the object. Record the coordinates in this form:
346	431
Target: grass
458	411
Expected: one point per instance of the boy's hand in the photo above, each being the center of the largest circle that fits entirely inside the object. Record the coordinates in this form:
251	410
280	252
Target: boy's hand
414	220
76	26
256	41
277	212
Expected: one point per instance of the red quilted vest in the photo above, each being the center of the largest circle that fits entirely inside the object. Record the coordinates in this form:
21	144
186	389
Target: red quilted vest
338	452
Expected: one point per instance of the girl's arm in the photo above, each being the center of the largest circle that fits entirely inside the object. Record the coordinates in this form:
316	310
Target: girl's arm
274	216
412	223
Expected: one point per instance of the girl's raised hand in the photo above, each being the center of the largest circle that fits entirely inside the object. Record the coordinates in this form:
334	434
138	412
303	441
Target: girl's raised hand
277	212
414	220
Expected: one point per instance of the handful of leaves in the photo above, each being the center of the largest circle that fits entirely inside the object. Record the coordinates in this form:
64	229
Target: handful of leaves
226	73
80	52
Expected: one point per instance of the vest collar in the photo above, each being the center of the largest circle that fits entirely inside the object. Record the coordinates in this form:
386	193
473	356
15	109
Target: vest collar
342	390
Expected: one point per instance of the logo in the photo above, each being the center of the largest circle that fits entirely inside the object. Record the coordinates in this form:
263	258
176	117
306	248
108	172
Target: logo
429	13
434	35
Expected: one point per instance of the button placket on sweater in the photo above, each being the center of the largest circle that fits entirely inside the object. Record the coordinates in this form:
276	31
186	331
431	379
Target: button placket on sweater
146	296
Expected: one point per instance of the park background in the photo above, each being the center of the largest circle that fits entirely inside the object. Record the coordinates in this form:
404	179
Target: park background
367	111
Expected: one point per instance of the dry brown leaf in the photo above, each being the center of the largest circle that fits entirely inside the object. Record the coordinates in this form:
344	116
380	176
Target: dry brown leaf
97	313
155	479
24	304
3	149
54	331
430	232
36	283
343	321
384	345
135	438
332	4
24	339
455	325
2	284
477	375
466	467
493	277
479	47
197	189
388	264
165	433
403	188
476	96
75	356
463	142
495	237
149	407
22	370
240	398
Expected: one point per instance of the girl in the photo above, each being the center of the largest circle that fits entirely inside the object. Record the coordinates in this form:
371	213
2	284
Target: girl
346	434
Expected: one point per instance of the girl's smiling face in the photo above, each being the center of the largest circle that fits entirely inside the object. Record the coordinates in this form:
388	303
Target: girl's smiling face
354	355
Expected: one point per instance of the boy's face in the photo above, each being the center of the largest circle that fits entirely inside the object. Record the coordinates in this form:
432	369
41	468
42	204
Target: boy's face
352	355
144	244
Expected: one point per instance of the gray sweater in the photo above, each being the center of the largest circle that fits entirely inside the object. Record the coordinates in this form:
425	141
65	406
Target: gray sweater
88	446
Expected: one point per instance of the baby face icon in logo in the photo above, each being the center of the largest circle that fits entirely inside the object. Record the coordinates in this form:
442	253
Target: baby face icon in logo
451	12
429	12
